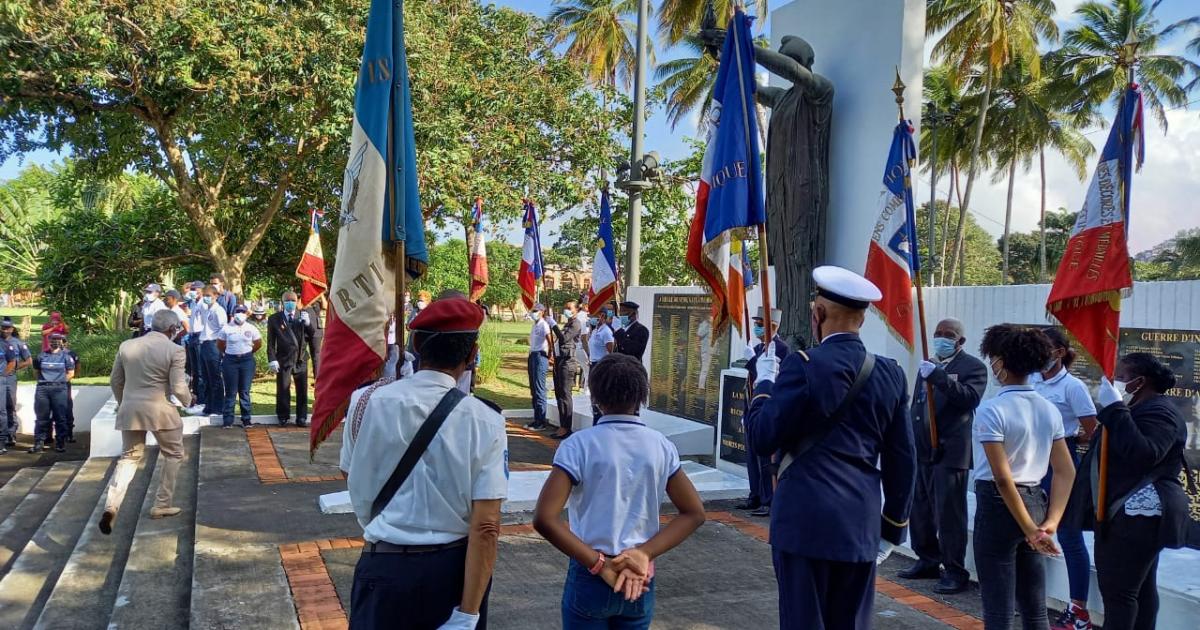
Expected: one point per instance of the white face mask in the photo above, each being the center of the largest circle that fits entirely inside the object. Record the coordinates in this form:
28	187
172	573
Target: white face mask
149	297
421	304
240	318
1123	388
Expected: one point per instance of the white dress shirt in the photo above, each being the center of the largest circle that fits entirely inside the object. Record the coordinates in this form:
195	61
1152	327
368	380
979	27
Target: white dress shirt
466	461
148	311
239	338
207	321
598	343
1026	424
1069	395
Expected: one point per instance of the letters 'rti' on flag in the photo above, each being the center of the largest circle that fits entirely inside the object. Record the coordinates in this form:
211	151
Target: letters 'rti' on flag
729	199
604	263
311	270
477	265
530	272
1094	272
380	208
892	256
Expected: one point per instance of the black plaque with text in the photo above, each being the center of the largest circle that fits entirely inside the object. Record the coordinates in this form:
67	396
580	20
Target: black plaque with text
686	358
733	408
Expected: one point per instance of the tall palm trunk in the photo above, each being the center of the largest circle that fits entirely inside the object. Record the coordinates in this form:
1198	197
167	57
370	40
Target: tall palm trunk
972	171
1042	223
946	221
1012	178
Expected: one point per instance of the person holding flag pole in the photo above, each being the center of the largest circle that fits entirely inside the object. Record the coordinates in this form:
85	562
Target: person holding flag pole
430	530
477	263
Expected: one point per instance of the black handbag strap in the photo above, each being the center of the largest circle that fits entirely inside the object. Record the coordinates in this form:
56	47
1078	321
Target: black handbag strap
835	418
416	449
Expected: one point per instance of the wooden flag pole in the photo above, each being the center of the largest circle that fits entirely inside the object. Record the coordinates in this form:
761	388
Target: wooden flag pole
898	88
401	282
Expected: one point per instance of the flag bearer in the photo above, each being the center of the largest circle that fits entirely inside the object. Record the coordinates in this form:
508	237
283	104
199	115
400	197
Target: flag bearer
840	416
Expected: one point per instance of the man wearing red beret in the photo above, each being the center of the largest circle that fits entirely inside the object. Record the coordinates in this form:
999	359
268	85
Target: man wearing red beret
427	470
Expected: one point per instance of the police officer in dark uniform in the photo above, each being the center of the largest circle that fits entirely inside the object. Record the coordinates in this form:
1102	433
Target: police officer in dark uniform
12	342
54	370
631	339
840	415
566	339
761	470
939	514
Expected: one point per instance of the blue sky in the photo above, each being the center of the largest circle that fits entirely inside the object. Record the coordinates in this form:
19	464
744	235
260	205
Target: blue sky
1163	194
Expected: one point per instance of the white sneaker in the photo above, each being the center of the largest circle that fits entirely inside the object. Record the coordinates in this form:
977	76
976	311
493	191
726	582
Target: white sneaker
195	410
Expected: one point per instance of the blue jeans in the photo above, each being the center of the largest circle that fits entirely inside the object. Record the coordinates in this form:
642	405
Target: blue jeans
1075	553
239	372
538	364
213	394
589	603
1011	573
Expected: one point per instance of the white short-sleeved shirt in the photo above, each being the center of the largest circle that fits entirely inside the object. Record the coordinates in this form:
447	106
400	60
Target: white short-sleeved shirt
1027	424
466	461
208	321
539	336
1069	395
148	311
182	314
620	470
597	342
239	338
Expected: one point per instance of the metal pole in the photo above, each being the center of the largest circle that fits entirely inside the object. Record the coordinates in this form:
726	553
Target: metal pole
933	123
633	268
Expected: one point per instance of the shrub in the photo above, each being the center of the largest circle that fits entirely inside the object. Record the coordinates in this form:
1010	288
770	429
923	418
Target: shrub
96	352
489	354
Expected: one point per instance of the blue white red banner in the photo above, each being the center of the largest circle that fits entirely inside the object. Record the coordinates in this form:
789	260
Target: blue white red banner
892	256
477	263
530	272
604	262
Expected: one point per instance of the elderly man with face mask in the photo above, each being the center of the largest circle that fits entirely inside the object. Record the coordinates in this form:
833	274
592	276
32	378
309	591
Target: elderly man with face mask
289	334
939	516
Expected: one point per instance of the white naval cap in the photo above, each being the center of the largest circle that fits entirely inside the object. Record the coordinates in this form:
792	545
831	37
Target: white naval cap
845	287
776	314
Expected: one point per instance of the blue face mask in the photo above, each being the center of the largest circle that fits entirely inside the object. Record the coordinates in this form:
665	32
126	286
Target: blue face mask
759	331
289	306
208	300
944	348
593	321
624	320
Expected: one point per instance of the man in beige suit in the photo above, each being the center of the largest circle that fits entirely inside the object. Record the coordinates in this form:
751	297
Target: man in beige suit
146	372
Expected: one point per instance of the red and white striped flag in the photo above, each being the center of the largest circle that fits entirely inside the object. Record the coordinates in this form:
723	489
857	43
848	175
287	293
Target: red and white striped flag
478	264
311	270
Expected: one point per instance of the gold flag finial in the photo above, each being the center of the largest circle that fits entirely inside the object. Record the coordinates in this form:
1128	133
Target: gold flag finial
898	88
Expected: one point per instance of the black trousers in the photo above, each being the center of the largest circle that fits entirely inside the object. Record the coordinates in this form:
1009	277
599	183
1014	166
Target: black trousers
1011	573
1127	572
939	518
564	379
823	594
415	591
318	339
297	374
50	408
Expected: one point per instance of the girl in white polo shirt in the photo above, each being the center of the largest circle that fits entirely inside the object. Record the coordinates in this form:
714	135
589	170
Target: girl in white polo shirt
613	477
1017	435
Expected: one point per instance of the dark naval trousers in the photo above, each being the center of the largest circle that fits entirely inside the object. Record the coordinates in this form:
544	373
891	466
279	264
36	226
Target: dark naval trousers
410	591
823	594
938	525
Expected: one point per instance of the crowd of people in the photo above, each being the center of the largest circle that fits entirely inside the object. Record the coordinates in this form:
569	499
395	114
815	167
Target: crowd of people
53	367
222	334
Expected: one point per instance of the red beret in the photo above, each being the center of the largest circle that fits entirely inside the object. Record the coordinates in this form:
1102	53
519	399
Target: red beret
450	315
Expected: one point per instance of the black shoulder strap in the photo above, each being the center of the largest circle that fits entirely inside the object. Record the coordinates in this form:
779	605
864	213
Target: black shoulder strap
835	418
416	449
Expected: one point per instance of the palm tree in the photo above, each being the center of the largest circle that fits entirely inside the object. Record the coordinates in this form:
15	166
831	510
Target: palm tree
602	37
980	38
1094	51
944	94
678	19
688	81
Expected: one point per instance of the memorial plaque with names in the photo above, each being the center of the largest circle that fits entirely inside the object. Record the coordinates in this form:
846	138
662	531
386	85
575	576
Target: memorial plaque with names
686	358
733	408
1180	351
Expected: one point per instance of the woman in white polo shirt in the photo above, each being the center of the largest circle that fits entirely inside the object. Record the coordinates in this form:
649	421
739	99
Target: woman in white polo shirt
1056	384
613	477
1017	434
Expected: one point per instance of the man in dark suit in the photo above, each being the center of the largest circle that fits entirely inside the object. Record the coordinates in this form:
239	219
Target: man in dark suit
288	335
841	446
632	337
761	470
567	334
939	515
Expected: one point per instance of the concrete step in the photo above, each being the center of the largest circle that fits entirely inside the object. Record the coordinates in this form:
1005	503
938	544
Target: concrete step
688	436
83	597
156	589
15	490
237	581
24	520
27	586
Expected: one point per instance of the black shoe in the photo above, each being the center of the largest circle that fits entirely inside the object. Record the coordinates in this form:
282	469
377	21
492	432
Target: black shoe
949	586
536	425
10	443
747	504
763	510
283	422
106	521
301	422
60	448
561	437
245	424
921	571
71	438
36	448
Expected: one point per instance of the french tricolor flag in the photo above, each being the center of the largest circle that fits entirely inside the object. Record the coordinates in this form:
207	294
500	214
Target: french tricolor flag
729	199
531	258
604	264
477	264
892	257
311	270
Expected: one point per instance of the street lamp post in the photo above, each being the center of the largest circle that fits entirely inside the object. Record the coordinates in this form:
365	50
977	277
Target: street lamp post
637	184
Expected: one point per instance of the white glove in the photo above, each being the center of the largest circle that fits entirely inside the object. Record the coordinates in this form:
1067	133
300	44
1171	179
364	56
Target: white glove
389	364
273	366
1107	393
926	369
407	368
885	550
304	317
748	353
768	366
460	620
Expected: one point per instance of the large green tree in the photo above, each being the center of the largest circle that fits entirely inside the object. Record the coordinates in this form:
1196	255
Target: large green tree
980	259
1025	247
242	108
